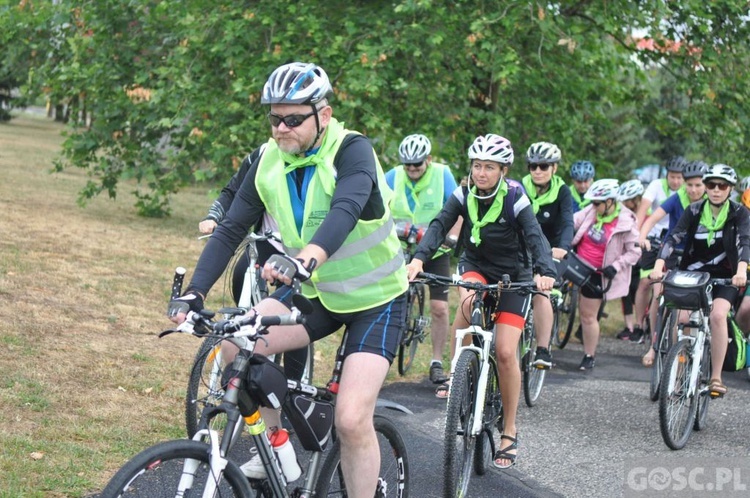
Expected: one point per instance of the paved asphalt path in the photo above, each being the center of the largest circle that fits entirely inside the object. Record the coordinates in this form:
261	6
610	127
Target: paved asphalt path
586	431
585	434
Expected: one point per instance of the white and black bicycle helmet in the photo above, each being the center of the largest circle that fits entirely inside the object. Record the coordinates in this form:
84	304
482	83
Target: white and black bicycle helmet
543	153
414	149
581	171
601	190
743	185
676	164
694	169
721	172
629	190
492	147
296	83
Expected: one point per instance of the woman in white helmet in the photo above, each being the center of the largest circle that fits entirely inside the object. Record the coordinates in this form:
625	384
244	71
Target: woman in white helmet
500	236
605	237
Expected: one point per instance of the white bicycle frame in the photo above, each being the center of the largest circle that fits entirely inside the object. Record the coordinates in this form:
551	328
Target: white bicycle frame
697	343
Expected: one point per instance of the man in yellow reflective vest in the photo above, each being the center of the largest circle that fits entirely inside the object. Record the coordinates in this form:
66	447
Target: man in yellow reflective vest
324	186
420	189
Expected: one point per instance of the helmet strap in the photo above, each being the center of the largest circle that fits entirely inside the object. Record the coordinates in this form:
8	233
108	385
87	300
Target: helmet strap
317	127
484	197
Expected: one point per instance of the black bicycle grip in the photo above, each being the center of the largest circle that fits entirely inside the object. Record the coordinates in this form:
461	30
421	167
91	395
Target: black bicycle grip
179	276
268	321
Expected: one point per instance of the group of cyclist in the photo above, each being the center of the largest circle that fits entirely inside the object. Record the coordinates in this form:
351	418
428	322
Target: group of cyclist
321	186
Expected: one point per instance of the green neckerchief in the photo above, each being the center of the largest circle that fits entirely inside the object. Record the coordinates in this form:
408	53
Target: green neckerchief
580	201
421	184
601	220
548	197
330	139
665	187
490	216
707	220
684	199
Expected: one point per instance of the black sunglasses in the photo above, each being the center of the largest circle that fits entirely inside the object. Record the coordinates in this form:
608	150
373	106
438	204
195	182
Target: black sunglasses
597	203
720	185
413	165
543	167
291	121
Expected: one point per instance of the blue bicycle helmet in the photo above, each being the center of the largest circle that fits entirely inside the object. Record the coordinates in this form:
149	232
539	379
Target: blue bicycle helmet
582	170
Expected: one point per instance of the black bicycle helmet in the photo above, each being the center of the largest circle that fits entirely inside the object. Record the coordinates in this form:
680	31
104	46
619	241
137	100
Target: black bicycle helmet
676	164
694	169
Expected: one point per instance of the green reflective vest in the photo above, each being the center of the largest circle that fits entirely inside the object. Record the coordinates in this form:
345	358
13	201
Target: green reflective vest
368	269
427	193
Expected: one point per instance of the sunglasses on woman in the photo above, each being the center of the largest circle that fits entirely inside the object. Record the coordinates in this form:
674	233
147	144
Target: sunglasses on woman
291	121
543	167
720	185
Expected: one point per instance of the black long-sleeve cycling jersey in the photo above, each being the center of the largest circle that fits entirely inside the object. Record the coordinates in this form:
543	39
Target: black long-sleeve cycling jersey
505	248
357	196
220	206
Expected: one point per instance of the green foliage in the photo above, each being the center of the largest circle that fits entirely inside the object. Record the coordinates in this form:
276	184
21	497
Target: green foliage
173	86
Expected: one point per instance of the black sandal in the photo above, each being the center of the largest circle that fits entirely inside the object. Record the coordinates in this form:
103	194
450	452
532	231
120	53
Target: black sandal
503	453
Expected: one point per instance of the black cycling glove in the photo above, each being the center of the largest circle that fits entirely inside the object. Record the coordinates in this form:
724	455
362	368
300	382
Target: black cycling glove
290	267
609	272
190	301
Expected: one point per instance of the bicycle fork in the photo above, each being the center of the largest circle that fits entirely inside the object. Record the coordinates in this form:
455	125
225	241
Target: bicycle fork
697	343
484	369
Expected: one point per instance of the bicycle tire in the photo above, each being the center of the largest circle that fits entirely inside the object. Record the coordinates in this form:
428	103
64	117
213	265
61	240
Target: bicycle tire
484	450
459	443
666	320
533	377
393	480
567	317
414	328
157	471
676	404
702	395
204	384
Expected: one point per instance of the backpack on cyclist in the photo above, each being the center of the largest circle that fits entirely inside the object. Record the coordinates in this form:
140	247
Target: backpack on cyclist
736	357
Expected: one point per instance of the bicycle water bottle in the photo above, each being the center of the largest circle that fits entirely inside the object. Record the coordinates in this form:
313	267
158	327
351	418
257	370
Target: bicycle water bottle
285	453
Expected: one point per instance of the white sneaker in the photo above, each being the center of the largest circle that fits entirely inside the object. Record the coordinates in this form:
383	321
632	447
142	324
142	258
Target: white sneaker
253	468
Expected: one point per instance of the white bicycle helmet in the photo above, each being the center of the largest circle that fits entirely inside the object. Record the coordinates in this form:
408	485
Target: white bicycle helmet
694	169
629	190
296	83
414	149
743	185
721	172
492	147
601	190
543	153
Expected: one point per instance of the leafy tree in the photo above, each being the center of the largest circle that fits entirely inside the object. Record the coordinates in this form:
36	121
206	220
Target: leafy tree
173	86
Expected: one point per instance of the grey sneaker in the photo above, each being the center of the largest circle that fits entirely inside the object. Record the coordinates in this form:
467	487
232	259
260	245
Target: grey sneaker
587	363
253	468
437	375
543	358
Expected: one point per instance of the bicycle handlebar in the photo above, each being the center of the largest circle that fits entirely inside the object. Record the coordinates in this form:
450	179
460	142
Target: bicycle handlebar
506	285
179	276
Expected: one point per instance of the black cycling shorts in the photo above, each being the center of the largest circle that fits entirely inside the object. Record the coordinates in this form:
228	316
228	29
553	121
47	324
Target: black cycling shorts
592	289
376	330
439	266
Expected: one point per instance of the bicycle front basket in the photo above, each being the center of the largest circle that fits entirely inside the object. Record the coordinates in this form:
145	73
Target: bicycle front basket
577	270
687	290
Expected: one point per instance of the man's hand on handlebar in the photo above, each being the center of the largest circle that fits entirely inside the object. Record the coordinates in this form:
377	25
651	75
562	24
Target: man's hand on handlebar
543	283
178	308
284	268
207	226
414	268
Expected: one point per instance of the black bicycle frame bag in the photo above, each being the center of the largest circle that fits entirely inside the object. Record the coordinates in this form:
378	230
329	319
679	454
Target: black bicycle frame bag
312	421
266	382
686	290
577	270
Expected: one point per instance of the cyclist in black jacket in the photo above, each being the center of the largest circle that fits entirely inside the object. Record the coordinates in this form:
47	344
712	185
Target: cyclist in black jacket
716	233
496	241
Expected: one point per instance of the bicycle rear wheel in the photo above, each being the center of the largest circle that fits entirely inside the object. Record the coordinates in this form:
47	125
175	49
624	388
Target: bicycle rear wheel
393	479
493	417
414	331
533	377
459	442
204	385
566	315
677	405
666	321
175	468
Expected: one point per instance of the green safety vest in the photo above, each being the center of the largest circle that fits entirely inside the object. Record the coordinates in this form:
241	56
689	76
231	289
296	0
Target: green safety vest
428	194
368	269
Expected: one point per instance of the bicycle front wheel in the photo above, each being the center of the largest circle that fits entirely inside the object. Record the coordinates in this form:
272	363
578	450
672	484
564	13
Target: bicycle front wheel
677	405
204	385
702	397
533	377
414	330
175	468
666	321
493	417
566	315
393	479
459	442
